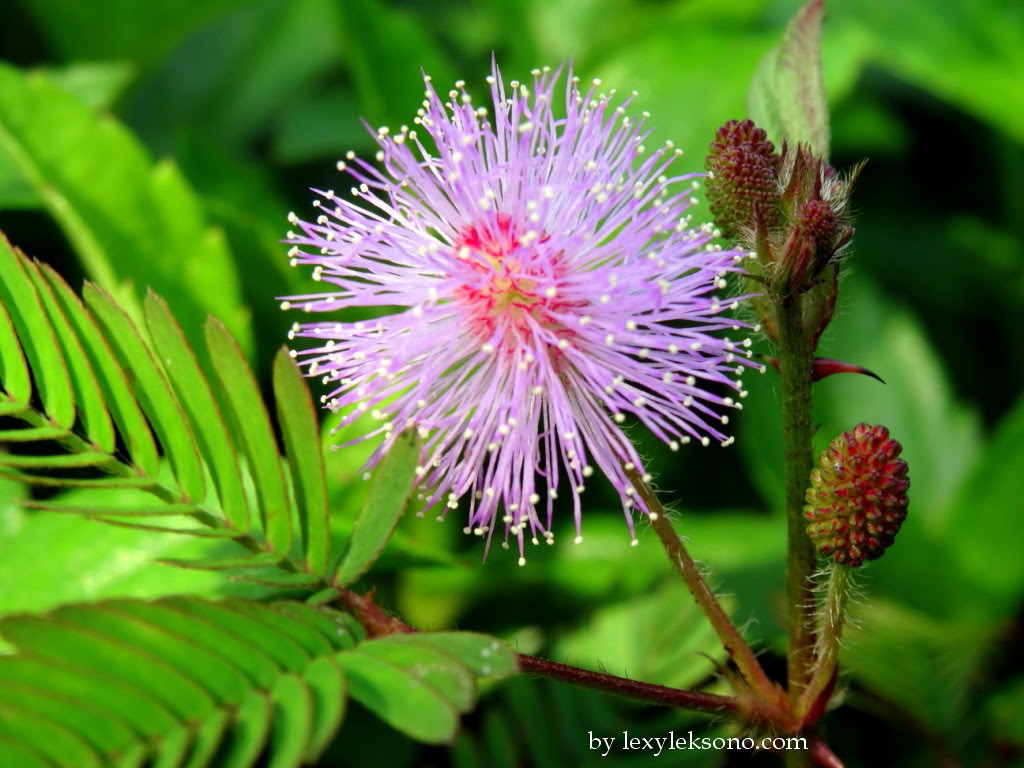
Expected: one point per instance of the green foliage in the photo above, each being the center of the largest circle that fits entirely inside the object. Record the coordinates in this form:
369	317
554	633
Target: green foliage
124	214
199	682
787	97
160	144
187	679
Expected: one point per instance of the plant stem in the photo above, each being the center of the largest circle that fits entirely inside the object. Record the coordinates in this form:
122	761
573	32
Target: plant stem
634	689
826	655
769	694
795	364
379	624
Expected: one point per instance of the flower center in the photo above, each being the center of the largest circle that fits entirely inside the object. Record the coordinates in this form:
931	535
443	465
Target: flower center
502	280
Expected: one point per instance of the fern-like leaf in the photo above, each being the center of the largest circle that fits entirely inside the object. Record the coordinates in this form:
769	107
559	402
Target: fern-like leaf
194	682
104	402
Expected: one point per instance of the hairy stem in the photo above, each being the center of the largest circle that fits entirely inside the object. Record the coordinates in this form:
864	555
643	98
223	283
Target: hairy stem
795	362
826	656
767	692
378	623
655	694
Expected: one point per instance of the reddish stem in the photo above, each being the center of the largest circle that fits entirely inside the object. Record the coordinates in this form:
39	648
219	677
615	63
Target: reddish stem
634	689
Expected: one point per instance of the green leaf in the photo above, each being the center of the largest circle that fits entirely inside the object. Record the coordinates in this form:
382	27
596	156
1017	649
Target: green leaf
76	690
981	530
293	721
132	223
135	707
248	560
86	389
402	701
125	30
253	718
311	639
17	386
21	300
926	666
152	390
56	640
109	561
390	86
46	737
208	738
247	413
301	432
58	461
111	377
328	687
78	508
787	97
435	667
618	639
339	629
948	49
257	628
105	735
393	483
486	656
32	434
174	748
208	426
96	84
180	618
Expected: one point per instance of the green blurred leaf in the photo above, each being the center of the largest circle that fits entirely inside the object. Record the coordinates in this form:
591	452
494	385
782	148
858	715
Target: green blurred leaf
97	84
982	523
301	433
107	561
124	29
619	639
257	62
968	52
787	98
132	223
393	482
389	87
926	666
324	125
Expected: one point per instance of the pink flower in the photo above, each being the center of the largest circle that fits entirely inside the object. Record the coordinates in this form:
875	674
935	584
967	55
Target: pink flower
539	282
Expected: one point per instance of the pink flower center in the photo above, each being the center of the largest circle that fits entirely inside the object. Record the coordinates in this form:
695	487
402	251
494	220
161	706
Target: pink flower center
506	283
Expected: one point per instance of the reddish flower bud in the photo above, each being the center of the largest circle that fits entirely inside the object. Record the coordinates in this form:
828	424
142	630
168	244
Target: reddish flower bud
743	180
817	220
858	496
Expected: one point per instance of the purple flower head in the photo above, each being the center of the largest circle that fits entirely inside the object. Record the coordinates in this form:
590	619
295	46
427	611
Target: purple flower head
541	285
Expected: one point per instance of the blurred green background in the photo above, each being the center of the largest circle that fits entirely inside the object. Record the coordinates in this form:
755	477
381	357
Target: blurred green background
162	143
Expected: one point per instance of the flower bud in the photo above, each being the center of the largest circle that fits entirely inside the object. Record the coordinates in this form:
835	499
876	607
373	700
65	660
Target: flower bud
857	500
743	180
